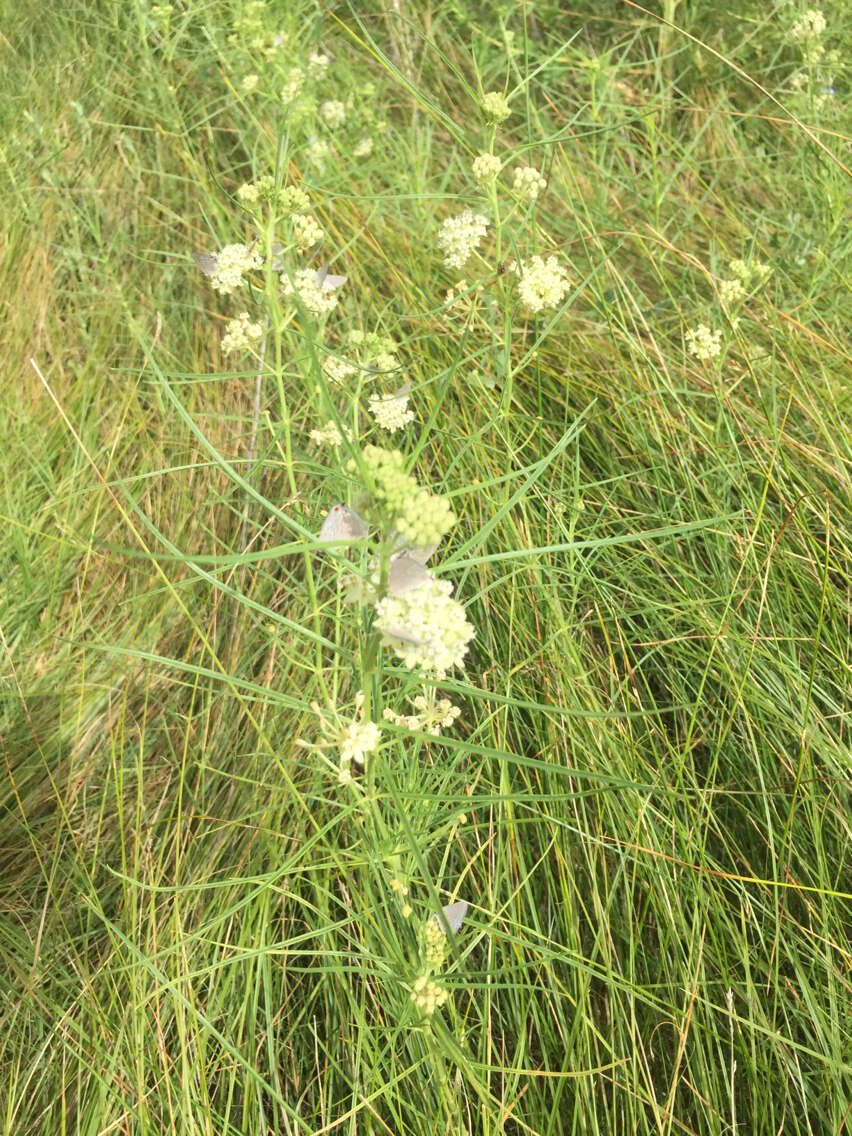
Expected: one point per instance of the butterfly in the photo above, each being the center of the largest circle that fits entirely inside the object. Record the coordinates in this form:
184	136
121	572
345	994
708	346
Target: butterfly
207	262
406	572
342	523
453	914
328	281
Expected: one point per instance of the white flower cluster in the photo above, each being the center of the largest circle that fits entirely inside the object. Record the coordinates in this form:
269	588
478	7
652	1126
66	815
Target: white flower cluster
495	107
391	412
425	627
363	148
542	283
333	113
353	739
330	435
240	334
385	361
703	343
251	34
307	232
810	25
356	740
337	371
731	292
460	236
750	274
528	184
318	63
432	715
485	167
374	351
249	191
293	85
318	298
427	995
423	519
232	264
318	151
249	84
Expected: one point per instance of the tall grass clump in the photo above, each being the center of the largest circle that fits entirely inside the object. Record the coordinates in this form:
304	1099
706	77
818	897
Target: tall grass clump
425	607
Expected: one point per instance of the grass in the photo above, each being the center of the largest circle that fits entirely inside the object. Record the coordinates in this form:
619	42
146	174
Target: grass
646	799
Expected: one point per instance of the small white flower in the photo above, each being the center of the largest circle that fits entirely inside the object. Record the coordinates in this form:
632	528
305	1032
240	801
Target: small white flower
249	193
750	274
318	64
306	231
703	343
358	739
318	298
240	334
353	739
810	25
391	412
385	361
333	113
485	167
293	86
496	107
330	435
542	283
232	264
427	995
249	84
318	151
528	184
460	236
364	148
337	371
731	292
425	627
432	715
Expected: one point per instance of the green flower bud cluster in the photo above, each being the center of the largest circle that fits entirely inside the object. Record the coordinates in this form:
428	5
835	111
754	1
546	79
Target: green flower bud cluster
495	107
434	945
375	349
418	516
294	200
284	199
424	520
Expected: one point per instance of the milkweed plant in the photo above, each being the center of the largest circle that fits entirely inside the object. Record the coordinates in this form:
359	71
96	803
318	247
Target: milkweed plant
285	276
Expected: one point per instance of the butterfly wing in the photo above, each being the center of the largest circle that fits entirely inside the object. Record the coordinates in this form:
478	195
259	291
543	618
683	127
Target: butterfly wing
331	283
406	573
400	633
421	555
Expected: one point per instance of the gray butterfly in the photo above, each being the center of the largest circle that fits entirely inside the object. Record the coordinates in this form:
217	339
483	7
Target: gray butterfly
342	523
327	281
454	914
206	261
406	573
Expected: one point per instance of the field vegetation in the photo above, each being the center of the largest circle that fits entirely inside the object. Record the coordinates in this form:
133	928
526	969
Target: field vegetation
425	608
